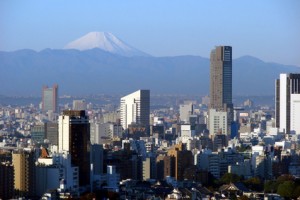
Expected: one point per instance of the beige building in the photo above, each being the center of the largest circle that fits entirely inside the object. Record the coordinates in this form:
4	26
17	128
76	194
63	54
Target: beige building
24	168
183	159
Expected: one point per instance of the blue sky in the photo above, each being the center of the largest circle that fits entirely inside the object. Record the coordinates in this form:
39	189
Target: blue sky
268	29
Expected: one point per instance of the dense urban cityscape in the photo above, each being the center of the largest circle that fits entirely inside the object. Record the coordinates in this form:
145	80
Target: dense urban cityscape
144	146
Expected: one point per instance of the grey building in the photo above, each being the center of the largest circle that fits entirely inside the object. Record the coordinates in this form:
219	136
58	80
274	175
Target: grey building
49	99
51	129
221	81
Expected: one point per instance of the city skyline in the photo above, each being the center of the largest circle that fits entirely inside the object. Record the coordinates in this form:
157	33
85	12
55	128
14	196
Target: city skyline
211	127
182	28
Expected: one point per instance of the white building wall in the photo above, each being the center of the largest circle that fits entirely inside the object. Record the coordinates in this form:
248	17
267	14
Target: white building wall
63	133
69	173
94	133
217	121
295	113
186	131
131	108
185	110
283	103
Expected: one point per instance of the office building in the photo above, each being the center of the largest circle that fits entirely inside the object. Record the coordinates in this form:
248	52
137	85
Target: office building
104	132
49	99
6	180
186	110
74	137
288	103
219	142
50	171
24	170
183	159
38	133
135	109
221	82
51	129
113	179
217	122
79	105
149	168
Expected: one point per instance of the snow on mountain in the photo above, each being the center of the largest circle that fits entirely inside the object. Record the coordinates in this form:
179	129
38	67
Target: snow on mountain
105	41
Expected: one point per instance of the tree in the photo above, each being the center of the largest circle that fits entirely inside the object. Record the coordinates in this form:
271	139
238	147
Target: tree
285	177
230	178
286	189
271	186
254	183
296	192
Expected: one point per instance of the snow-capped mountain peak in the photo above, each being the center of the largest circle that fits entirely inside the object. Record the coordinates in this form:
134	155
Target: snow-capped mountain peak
105	41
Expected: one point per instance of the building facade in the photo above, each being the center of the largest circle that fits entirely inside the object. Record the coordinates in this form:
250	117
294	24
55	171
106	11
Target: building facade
24	171
74	137
221	81
49	99
288	103
51	129
38	133
6	180
186	110
79	105
135	109
217	122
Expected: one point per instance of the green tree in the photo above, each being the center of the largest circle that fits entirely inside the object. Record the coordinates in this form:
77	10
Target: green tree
285	177
286	189
271	186
296	192
254	184
230	178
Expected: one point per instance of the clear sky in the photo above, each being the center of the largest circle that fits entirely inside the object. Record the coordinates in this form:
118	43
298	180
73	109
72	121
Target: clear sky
267	29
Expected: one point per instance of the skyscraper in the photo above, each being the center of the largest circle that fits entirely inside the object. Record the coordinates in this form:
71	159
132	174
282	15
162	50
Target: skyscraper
49	99
221	77
135	108
74	137
221	81
288	103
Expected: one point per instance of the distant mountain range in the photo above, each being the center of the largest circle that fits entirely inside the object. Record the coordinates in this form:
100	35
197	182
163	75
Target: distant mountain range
101	69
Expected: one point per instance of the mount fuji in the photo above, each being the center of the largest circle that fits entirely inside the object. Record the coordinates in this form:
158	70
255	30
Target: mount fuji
105	41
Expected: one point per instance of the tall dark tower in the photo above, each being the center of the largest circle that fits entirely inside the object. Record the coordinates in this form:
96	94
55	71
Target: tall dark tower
221	81
74	137
221	77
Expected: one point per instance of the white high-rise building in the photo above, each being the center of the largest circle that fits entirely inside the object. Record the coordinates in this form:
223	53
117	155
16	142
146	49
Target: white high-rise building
101	132
288	103
135	108
185	111
217	122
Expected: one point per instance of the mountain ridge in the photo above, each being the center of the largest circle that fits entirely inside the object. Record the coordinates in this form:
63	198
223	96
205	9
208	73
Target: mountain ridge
97	71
